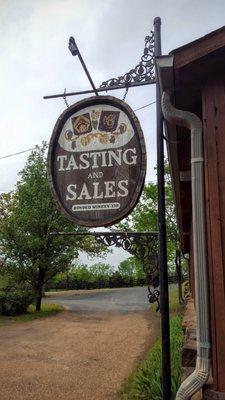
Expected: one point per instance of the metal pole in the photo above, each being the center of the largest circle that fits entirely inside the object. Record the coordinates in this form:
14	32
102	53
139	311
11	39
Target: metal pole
106	234
75	52
162	260
100	89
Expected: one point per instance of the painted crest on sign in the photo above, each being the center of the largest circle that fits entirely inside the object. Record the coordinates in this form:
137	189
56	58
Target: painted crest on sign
100	127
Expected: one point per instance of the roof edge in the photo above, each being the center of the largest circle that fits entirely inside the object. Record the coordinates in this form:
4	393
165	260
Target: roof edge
197	41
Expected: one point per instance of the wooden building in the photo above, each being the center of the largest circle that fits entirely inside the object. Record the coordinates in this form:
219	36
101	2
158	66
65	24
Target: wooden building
195	76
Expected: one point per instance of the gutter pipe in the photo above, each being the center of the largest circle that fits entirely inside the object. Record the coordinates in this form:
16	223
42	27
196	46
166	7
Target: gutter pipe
201	373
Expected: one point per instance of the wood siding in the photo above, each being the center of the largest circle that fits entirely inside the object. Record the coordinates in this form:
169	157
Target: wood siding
213	101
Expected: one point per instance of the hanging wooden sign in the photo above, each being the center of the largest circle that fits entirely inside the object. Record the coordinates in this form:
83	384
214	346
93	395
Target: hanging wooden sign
97	161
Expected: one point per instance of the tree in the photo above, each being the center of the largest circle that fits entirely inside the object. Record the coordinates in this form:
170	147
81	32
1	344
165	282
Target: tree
131	268
81	274
32	254
101	273
127	268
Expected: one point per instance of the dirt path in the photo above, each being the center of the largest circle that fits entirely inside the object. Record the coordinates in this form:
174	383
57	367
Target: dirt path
72	356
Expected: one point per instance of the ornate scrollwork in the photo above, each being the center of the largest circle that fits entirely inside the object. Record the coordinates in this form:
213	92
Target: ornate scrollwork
143	72
144	246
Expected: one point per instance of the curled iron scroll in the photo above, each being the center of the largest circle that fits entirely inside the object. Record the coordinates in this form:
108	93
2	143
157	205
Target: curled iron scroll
144	71
144	246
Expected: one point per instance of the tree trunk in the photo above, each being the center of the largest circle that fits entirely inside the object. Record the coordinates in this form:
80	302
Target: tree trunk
43	291
40	287
38	301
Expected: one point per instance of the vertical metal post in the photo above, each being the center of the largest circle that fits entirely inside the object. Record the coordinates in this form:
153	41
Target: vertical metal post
162	260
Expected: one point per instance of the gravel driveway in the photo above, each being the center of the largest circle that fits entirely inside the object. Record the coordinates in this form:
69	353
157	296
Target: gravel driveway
74	355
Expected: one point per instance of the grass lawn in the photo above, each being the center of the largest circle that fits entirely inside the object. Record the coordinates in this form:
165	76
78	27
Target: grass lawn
145	382
47	310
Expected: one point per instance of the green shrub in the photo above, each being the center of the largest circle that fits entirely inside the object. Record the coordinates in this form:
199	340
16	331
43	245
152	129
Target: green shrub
15	302
146	382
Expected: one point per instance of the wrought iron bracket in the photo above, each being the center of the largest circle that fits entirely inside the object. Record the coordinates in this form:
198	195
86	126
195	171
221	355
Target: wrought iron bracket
143	72
143	245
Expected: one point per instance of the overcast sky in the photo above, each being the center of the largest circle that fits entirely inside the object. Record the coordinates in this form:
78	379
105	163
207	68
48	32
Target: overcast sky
35	60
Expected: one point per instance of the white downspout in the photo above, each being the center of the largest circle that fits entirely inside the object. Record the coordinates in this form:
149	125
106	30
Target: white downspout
201	373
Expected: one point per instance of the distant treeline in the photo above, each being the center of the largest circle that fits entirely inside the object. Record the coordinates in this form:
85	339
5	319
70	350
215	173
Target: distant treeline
98	276
76	281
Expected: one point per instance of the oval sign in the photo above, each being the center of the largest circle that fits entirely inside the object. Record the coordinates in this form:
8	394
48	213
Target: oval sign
97	161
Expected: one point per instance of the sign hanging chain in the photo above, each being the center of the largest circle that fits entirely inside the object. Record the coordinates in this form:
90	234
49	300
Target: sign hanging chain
64	98
125	94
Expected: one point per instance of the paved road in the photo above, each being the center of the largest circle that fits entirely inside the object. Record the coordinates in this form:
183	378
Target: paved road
119	300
